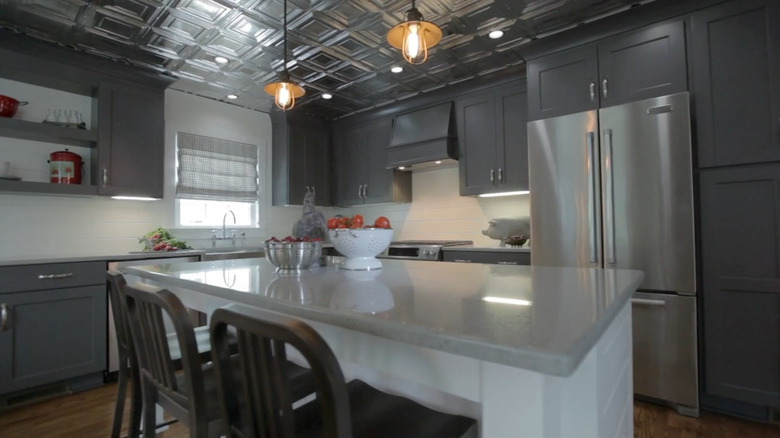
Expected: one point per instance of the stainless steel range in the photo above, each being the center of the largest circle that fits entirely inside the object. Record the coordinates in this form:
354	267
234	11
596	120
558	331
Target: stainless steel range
420	249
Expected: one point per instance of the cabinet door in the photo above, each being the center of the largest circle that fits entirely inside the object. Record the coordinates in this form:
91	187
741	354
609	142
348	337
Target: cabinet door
301	161
317	160
131	140
512	115
646	63
379	179
736	82
52	335
740	243
563	83
475	115
350	166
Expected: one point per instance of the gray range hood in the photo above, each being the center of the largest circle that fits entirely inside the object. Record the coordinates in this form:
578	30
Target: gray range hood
422	137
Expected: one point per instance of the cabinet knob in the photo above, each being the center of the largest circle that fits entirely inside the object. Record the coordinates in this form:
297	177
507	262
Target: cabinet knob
3	317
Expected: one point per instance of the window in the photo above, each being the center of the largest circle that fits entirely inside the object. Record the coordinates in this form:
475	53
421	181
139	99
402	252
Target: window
214	177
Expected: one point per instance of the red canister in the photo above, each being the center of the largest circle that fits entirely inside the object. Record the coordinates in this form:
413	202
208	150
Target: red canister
65	167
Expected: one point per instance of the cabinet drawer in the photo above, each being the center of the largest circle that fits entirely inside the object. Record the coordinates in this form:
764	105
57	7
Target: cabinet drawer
494	257
51	276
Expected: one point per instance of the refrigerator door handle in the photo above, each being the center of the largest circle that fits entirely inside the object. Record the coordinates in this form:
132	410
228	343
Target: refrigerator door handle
609	201
591	152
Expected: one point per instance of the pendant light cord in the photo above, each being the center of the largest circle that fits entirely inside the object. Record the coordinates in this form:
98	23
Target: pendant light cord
285	36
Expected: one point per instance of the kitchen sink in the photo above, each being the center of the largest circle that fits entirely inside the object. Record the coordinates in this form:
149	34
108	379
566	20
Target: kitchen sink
230	253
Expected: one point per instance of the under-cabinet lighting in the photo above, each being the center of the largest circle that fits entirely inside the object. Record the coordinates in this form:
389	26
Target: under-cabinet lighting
232	96
401	167
437	162
513	301
495	195
327	96
397	69
220	60
496	34
134	198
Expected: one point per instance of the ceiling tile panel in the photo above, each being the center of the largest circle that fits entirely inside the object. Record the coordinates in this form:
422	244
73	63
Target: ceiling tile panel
339	46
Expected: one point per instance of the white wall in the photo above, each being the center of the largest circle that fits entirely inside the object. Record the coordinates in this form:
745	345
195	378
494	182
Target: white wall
34	225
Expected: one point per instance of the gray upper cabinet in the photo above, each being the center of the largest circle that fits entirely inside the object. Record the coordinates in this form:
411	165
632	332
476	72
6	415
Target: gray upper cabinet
492	139
361	173
131	140
636	65
53	324
740	236
563	83
301	159
736	82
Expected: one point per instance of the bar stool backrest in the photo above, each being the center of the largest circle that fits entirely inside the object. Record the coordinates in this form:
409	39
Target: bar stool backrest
265	408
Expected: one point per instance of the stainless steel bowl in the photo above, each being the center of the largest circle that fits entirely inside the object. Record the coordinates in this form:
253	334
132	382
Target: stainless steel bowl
293	256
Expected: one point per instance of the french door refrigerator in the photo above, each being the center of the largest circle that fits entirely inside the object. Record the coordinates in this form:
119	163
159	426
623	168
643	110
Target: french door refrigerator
613	188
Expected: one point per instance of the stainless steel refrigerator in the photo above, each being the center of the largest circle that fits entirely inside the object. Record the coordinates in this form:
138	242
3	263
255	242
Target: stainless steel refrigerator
613	188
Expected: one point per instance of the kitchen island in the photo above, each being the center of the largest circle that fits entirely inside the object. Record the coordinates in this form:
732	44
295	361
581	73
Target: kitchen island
529	351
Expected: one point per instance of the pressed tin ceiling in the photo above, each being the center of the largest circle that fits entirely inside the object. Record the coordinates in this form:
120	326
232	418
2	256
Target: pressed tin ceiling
335	46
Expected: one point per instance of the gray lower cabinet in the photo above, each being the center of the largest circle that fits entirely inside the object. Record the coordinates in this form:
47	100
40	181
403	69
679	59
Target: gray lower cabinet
131	146
636	65
740	246
53	325
361	170
301	158
493	257
492	138
735	64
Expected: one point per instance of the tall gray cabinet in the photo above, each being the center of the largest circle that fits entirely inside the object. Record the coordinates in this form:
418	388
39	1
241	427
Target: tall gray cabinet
736	85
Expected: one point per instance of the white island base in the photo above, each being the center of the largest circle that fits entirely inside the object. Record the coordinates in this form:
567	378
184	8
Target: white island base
595	401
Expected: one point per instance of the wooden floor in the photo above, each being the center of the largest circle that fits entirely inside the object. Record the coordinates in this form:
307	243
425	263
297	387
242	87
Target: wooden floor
90	413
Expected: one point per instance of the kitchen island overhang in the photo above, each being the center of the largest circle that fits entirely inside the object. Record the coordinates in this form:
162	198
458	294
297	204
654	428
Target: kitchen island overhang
529	351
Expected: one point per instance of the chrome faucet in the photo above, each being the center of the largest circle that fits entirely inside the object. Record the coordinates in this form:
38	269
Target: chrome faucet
233	233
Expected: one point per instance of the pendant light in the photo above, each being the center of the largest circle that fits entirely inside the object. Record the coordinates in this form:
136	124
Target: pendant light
414	36
284	90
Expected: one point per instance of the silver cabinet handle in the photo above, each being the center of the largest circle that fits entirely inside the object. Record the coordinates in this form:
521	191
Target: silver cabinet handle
360	191
604	89
592	88
54	276
506	263
3	317
461	260
645	302
105	177
609	202
500	175
365	191
592	201
492	176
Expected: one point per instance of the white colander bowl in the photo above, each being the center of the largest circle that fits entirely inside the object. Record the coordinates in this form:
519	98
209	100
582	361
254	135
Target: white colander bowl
361	246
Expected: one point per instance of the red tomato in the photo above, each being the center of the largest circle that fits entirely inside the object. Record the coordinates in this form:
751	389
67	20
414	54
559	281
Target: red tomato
357	221
333	223
382	222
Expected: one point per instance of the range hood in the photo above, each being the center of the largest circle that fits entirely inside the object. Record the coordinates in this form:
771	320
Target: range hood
424	138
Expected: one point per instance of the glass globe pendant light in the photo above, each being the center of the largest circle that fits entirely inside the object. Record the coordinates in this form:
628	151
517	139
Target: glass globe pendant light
414	36
285	91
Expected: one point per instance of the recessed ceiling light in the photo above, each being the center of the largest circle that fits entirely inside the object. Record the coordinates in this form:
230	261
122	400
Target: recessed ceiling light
326	95
232	96
496	34
220	60
397	69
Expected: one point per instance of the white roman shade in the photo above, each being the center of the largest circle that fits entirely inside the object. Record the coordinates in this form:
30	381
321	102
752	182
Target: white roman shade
215	169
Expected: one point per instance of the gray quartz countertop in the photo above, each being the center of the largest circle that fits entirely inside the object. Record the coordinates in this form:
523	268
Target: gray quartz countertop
37	259
543	319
